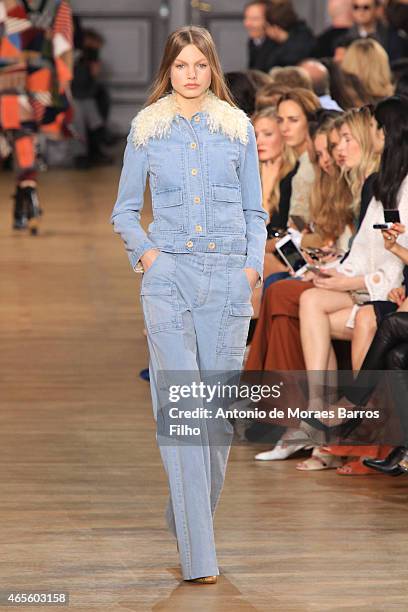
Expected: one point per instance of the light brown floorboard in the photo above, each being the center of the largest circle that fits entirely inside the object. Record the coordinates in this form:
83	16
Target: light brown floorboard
82	489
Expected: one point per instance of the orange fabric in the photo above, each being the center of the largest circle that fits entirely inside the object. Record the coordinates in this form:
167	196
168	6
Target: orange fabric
55	126
377	452
9	112
276	343
7	49
40	80
25	151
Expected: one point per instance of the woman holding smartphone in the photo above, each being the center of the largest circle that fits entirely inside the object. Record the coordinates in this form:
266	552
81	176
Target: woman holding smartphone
201	259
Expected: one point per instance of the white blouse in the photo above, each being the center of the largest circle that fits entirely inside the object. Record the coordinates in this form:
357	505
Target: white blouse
382	270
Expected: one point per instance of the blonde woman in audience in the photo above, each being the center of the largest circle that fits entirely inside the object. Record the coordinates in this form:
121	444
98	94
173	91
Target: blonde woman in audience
277	163
367	60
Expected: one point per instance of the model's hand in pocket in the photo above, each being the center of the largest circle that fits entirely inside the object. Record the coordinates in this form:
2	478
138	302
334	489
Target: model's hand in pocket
149	258
252	276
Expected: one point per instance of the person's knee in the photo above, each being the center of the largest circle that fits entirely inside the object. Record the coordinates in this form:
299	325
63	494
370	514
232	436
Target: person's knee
366	319
309	300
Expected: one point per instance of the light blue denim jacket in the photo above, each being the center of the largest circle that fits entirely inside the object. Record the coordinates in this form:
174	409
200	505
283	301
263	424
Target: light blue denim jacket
204	181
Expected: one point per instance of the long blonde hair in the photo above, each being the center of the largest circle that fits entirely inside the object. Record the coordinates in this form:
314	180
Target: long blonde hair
368	61
288	159
331	200
358	120
180	38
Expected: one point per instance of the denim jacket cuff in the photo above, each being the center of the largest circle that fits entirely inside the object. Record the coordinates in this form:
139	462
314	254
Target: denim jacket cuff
252	262
135	256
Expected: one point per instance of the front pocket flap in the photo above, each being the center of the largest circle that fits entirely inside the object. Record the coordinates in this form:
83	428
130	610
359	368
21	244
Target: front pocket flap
168	197
155	289
226	193
241	310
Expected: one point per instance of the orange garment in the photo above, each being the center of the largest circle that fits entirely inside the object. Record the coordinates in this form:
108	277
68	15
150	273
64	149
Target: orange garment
276	343
25	151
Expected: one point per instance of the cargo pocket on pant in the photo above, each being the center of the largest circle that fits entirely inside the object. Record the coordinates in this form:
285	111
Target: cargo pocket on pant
234	328
160	307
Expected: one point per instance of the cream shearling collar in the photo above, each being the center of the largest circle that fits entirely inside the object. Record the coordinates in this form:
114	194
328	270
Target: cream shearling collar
155	120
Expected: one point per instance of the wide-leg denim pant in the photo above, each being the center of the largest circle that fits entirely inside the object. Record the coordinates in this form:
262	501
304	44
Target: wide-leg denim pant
197	309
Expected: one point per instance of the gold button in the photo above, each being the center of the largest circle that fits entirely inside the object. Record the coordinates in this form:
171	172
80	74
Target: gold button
189	244
197	200
198	228
193	145
197	118
194	171
211	245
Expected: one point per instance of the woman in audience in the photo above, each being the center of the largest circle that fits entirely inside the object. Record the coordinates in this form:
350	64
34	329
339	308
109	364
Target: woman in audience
278	165
369	272
295	111
365	130
367	60
276	344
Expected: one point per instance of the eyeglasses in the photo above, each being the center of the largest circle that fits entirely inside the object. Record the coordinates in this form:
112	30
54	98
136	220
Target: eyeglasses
362	7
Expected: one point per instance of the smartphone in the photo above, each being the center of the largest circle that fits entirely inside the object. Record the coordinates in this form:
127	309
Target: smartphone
392	216
382	226
292	256
299	222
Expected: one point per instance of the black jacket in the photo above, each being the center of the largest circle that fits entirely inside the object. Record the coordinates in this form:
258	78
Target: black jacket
299	46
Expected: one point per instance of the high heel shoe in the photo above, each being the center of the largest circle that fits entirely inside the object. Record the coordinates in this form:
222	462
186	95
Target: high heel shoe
392	459
203	580
397	467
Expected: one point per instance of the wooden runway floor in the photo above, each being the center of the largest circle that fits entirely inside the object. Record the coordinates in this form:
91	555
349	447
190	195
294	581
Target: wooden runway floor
82	488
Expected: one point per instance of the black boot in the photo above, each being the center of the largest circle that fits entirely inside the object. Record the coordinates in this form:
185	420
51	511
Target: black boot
33	209
20	212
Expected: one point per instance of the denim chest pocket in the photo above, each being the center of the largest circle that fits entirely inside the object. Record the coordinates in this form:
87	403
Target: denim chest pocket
226	209
168	210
